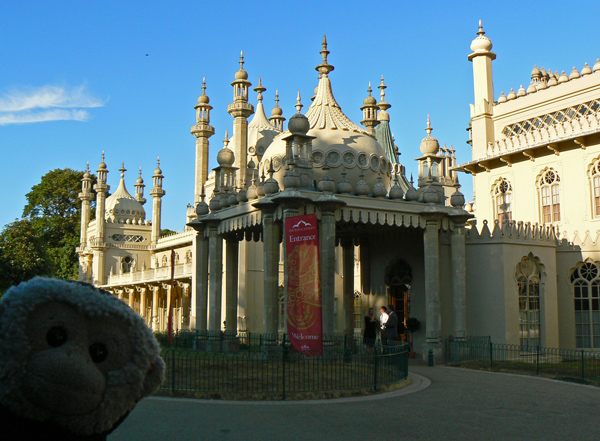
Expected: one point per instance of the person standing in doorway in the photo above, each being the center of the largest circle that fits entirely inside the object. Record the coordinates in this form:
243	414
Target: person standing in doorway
383	318
391	325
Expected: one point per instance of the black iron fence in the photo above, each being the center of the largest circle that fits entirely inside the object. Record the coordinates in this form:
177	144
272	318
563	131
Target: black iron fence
564	364
265	366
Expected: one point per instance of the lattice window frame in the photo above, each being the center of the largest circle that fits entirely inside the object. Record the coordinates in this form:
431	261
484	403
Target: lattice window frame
548	186
585	282
502	200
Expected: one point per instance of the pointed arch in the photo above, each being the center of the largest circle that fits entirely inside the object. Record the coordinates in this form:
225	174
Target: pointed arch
529	274
593	173
585	282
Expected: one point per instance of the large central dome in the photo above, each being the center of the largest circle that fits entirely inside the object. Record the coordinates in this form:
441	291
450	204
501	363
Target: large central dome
339	143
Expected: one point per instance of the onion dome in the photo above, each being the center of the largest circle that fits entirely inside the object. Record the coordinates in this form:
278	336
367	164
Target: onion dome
586	70
544	74
531	89
271	186
299	124
291	180
502	98
121	207
412	194
344	186
203	99
541	85
260	188
233	198
383	105
563	78
535	72
596	67
157	170
242	195
511	95
225	157
396	191
215	204
277	111
574	74
241	74
521	92
326	184
251	193
552	80
379	190
457	200
202	208
429	145
481	44
362	188
369	100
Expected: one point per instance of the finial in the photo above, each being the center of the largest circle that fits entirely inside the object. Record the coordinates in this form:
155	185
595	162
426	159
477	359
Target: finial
298	103
102	155
260	89
242	60
277	98
122	170
369	89
158	161
383	105
428	128
324	68
480	31
226	140
203	85
87	167
411	180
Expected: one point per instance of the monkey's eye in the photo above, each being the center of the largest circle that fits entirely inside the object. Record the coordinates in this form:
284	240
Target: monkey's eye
98	352
56	336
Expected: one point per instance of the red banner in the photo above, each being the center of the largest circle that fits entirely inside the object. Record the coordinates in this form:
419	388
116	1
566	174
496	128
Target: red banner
304	325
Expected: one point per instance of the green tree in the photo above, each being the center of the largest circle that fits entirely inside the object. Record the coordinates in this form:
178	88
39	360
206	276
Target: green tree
22	254
54	210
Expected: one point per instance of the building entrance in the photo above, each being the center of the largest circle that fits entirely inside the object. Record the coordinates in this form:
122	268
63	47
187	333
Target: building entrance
398	278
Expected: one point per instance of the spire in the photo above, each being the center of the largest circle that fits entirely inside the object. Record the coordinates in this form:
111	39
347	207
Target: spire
428	129
383	134
324	68
260	89
298	105
260	121
277	118
383	105
139	189
480	31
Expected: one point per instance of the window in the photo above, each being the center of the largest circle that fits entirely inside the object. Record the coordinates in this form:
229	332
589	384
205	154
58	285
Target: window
358	315
503	200
595	181
548	184
586	292
528	283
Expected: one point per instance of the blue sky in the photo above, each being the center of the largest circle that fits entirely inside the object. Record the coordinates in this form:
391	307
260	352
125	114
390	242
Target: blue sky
79	77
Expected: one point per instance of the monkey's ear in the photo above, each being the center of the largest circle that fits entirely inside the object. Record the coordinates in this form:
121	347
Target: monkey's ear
154	377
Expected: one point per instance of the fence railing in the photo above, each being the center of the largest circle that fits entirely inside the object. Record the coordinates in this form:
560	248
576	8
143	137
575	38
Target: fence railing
260	364
565	364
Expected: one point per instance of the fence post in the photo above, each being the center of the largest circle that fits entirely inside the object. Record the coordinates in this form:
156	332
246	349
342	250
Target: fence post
375	371
582	365
491	353
537	361
283	359
172	372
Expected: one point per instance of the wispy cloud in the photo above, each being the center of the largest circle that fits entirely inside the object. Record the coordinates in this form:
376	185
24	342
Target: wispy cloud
47	103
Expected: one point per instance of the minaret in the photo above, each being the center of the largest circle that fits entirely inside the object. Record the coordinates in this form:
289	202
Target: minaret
369	109
157	193
481	111
202	130
139	189
277	118
383	133
98	245
240	109
86	197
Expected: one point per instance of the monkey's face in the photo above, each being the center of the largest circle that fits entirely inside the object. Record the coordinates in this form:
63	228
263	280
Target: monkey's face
71	357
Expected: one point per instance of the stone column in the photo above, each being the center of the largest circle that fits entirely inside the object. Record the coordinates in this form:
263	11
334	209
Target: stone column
348	288
432	284
200	286
365	265
185	305
215	289
231	290
131	297
143	301
271	234
155	321
459	272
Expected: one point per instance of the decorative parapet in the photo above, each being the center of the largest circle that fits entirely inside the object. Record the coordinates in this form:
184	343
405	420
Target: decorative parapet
182	271
586	241
514	232
172	239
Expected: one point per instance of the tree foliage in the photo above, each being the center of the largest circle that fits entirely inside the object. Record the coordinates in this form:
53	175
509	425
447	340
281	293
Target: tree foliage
22	254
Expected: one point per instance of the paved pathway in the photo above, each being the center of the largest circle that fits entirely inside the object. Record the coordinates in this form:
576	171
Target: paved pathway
441	404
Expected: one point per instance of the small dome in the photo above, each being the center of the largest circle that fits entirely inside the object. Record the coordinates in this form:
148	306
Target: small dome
586	70
412	194
511	95
502	98
379	190
531	89
298	124
241	74
396	191
225	157
596	67
203	99
277	111
552	80
362	188
429	145
574	74
121	207
201	208
457	199
535	72
521	92
481	44
563	78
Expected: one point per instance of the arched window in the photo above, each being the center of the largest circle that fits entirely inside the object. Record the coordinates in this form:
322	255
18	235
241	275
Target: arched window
164	261
528	283
586	290
548	184
595	182
503	200
126	264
